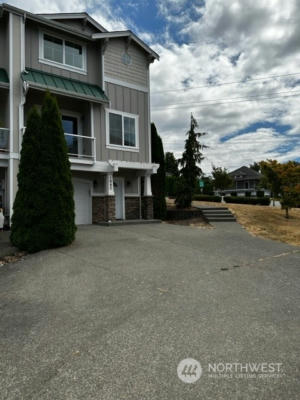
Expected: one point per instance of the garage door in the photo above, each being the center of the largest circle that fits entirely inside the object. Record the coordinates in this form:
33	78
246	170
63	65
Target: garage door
83	202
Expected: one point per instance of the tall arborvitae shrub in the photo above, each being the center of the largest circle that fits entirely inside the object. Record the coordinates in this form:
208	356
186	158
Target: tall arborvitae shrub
44	207
55	180
158	180
26	211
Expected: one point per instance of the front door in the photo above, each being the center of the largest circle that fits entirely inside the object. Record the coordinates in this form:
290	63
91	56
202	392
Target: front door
70	126
119	195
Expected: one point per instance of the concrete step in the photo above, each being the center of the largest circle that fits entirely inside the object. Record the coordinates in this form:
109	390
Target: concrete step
218	216
129	222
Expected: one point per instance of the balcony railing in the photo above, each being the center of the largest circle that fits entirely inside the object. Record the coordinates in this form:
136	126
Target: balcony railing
79	146
4	139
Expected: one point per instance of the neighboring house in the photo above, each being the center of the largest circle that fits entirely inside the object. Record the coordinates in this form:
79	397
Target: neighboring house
246	181
101	82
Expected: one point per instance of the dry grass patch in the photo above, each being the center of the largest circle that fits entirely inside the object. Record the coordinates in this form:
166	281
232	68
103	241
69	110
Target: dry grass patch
268	222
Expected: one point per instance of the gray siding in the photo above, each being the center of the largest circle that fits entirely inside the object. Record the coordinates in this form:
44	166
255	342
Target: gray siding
93	56
131	101
77	24
136	73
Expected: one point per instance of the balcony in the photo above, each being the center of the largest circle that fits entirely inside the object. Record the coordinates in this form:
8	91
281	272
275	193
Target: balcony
4	140
80	147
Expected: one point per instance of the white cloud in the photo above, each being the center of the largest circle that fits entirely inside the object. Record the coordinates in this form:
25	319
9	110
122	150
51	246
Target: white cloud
230	41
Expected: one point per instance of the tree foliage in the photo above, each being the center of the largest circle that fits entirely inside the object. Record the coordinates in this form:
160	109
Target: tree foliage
171	164
28	206
221	178
255	166
190	170
46	195
158	180
284	181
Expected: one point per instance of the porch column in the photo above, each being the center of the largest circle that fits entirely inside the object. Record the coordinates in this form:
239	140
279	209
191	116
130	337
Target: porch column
147	199
109	199
109	184
147	186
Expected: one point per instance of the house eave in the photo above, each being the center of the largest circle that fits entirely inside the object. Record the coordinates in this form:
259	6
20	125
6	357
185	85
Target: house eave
129	34
82	15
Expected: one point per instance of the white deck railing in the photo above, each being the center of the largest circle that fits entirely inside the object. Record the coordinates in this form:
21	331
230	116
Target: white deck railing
4	139
80	146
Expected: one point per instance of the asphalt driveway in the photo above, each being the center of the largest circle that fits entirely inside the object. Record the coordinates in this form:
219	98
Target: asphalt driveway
111	316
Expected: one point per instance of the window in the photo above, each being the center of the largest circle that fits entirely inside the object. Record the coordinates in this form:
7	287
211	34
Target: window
74	55
70	126
53	49
122	129
115	129
59	51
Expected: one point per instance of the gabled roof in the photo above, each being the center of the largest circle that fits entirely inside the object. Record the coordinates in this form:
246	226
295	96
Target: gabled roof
51	21
64	86
246	172
43	20
82	15
129	34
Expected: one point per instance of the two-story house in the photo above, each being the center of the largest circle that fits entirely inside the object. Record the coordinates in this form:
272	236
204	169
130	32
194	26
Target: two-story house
101	82
246	182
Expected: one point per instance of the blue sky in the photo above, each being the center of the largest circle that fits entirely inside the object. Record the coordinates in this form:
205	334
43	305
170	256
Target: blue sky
204	47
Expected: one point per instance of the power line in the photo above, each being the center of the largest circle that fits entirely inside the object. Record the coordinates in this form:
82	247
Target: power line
161	108
226	83
228	98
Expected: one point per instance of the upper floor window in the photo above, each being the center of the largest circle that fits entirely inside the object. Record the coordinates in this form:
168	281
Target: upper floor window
67	54
122	130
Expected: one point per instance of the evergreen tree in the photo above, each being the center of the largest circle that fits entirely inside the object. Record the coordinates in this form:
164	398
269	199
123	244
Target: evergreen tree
58	222
26	211
171	164
190	171
158	179
44	206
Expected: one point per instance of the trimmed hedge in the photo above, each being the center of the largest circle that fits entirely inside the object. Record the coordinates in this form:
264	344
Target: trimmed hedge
179	214
206	197
262	201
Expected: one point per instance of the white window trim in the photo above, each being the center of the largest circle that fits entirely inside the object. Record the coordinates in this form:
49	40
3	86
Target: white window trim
62	65
122	147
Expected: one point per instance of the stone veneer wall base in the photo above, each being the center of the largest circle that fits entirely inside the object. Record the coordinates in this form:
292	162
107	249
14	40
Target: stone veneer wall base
147	207
104	209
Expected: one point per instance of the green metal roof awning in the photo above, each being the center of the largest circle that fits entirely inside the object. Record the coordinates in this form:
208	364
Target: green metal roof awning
62	85
4	81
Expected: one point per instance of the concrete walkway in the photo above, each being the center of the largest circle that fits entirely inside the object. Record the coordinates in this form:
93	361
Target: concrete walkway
111	316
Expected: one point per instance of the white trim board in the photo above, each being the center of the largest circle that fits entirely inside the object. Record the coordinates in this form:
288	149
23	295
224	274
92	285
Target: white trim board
128	85
112	166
